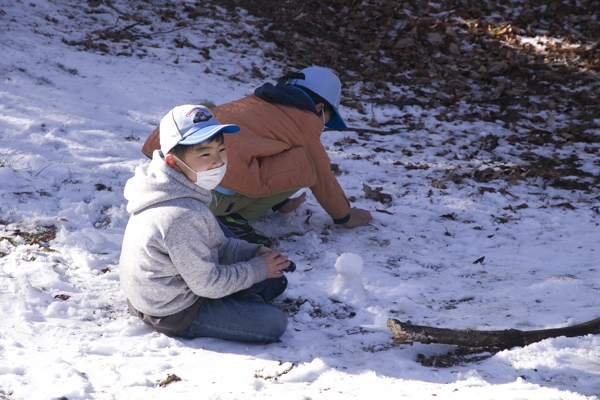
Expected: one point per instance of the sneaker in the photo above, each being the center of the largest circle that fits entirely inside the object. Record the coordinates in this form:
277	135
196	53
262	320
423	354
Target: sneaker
273	288
240	227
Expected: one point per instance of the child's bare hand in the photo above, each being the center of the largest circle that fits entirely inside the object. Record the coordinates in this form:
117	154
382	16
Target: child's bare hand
358	217
276	262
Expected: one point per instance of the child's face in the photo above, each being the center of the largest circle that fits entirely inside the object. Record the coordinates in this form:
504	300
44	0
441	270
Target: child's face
203	157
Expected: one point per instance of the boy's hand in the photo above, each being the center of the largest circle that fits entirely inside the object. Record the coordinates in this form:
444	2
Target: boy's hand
276	263
262	250
293	204
358	217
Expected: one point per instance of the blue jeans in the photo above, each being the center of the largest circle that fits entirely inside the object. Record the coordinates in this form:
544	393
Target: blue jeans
226	231
243	316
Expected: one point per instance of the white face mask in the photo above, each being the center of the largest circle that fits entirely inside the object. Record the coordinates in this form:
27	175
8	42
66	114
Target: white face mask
208	179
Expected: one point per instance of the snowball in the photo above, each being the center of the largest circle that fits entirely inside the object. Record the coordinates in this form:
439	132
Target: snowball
349	290
406	305
349	264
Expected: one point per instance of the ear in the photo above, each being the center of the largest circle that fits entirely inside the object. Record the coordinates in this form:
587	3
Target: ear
319	106
172	162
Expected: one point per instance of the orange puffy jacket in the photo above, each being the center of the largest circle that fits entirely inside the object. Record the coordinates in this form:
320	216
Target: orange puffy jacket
277	149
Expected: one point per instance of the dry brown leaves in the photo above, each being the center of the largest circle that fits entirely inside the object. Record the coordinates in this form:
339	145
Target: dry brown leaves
524	63
538	57
499	51
453	45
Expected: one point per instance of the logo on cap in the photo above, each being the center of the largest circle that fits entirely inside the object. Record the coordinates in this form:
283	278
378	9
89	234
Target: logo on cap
199	115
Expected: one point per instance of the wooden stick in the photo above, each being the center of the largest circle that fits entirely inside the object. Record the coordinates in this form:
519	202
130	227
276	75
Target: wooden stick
407	333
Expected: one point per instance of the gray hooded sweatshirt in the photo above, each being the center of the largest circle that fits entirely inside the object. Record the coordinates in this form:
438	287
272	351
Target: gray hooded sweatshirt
174	253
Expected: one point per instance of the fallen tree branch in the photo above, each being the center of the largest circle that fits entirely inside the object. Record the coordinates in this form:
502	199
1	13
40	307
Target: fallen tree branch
362	131
407	333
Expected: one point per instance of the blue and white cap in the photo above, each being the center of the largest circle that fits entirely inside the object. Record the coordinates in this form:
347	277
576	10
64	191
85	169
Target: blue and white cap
326	84
190	124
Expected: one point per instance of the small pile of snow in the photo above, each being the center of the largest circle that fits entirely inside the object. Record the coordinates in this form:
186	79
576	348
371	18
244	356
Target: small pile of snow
347	286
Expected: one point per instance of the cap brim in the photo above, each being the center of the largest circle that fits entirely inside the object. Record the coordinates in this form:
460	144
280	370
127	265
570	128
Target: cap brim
206	133
336	122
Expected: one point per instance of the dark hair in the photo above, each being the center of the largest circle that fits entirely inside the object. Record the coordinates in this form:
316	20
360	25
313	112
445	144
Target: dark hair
181	150
313	96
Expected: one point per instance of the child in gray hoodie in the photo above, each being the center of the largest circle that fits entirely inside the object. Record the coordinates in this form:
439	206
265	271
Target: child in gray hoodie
180	274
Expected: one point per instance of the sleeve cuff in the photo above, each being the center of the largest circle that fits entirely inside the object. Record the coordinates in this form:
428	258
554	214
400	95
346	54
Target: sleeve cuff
261	265
343	220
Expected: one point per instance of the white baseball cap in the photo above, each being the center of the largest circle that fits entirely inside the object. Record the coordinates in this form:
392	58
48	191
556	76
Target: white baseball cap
190	124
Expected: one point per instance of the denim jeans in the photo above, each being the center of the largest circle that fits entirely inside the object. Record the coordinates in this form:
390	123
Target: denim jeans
226	231
243	316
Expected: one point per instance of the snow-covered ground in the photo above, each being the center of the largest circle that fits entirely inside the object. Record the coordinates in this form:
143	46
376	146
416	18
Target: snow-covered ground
72	123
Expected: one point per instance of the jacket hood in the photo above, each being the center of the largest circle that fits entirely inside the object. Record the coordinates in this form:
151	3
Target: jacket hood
156	182
286	95
294	96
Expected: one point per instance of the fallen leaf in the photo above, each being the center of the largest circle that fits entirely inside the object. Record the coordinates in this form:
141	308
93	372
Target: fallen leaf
169	379
483	190
498	67
376	194
223	41
435	37
566	205
454	49
438	184
405	42
550	119
486	174
335	168
309	214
